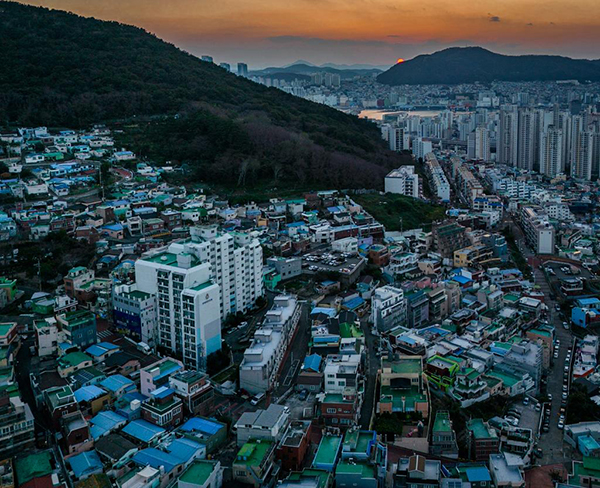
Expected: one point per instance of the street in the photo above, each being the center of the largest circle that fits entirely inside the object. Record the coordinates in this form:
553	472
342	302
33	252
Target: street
551	442
371	368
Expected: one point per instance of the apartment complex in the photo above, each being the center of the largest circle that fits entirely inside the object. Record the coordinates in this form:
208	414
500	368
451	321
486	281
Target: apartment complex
262	360
236	264
188	313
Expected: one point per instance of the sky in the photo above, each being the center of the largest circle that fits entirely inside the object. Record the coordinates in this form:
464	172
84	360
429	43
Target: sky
277	32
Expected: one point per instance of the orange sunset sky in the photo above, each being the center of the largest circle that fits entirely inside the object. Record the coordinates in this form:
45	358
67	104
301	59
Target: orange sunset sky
275	32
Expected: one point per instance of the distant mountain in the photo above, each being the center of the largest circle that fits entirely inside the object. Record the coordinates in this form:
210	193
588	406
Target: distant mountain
472	64
300	61
62	70
356	66
305	69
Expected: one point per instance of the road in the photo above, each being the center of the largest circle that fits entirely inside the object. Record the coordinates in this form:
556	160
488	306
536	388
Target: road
371	368
551	442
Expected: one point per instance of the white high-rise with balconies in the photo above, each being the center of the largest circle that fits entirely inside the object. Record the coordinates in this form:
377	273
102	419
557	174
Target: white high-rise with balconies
188	304
551	152
236	263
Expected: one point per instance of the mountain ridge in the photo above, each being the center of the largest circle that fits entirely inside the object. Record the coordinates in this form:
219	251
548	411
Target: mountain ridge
63	70
475	64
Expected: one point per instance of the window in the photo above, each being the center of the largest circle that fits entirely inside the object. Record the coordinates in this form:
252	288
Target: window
240	473
331	410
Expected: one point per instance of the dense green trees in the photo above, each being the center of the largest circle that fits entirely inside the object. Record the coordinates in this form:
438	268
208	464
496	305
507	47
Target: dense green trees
59	69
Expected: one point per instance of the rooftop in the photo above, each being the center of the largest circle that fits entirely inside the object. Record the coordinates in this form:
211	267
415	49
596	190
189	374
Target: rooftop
328	450
253	452
198	472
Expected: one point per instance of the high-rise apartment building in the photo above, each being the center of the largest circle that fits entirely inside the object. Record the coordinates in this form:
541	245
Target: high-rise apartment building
236	263
507	139
403	181
551	152
188	304
526	144
482	144
242	69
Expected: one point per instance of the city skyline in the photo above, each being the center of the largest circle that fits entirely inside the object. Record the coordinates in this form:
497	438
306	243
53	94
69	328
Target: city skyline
377	32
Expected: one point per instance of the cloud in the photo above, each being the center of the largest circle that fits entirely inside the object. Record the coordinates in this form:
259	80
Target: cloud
494	18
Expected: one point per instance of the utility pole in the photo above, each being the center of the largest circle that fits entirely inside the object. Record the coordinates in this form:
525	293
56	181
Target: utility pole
39	267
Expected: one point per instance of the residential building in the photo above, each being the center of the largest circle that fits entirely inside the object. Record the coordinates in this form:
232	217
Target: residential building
79	328
16	426
135	313
259	369
236	264
269	424
201	474
388	308
482	440
254	464
189	321
403	181
443	438
163	408
195	390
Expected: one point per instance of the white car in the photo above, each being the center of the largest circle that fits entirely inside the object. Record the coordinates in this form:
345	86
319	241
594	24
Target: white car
561	425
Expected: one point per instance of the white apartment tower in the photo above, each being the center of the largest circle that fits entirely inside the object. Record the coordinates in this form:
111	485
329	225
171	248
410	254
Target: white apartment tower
398	139
527	140
236	263
482	144
403	181
551	152
188	312
508	136
582	150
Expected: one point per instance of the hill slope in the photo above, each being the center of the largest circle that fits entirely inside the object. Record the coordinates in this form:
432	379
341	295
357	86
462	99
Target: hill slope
59	69
471	64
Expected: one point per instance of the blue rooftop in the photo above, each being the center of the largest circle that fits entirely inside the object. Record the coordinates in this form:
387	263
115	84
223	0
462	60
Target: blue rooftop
115	382
313	362
478	474
142	430
354	303
87	393
104	422
156	458
162	392
85	464
203	426
100	349
327	311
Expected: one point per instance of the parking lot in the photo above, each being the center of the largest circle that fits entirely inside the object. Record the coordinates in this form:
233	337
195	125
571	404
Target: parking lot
341	262
530	417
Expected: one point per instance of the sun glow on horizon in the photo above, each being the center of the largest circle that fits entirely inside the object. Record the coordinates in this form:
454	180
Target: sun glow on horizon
400	60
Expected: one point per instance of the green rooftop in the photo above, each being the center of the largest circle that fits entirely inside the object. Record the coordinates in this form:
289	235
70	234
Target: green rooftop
202	286
508	380
33	466
321	476
137	295
364	469
253	452
5	328
328	450
479	429
442	422
350	331
402	400
73	359
357	441
405	366
166	258
198	472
